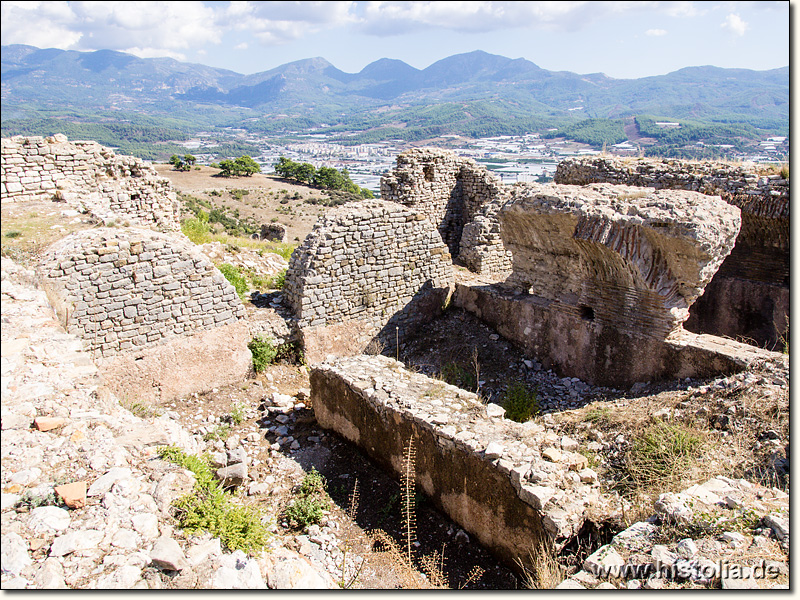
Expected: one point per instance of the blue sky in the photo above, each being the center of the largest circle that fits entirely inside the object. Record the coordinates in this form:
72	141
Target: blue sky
620	39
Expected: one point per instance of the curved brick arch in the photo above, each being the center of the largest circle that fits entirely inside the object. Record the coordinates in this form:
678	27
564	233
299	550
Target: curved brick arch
749	296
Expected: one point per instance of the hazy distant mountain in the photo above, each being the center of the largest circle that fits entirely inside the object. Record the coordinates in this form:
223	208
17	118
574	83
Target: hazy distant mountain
36	79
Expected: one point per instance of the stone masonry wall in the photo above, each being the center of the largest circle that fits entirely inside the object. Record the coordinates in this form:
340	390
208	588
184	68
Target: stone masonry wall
749	297
127	289
509	484
365	267
90	178
460	197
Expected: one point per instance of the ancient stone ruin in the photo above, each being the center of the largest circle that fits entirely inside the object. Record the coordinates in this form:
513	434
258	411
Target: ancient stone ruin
595	281
89	178
273	232
502	481
159	318
748	299
460	197
369	270
604	276
153	310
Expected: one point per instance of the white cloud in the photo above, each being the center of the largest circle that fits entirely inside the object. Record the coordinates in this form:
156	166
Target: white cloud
40	24
143	28
276	23
656	32
242	46
735	24
390	17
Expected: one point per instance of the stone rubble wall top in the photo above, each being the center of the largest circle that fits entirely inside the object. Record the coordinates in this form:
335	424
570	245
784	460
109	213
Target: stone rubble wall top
90	178
756	194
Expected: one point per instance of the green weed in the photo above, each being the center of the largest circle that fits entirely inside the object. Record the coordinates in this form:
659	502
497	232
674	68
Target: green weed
662	453
264	352
520	403
309	506
455	374
220	432
278	281
209	508
235	278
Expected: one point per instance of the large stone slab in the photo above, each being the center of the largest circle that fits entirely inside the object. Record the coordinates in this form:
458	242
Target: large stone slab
748	298
486	473
634	258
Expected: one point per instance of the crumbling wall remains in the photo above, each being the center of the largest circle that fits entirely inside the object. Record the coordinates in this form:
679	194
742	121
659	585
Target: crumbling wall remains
749	297
460	197
604	276
506	483
88	177
157	315
368	269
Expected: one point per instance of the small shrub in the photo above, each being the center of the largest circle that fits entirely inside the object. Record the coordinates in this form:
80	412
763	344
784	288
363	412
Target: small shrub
784	172
238	414
142	410
290	352
308	508
220	432
196	230
31	500
13	234
455	374
264	352
277	282
258	281
313	483
209	508
599	416
236	278
520	402
662	453
305	511
282	250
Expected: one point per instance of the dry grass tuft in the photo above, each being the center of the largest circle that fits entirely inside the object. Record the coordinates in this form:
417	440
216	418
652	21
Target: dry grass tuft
542	569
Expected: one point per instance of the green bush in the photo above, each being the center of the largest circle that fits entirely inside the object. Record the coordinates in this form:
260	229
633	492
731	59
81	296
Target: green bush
264	352
236	278
662	452
455	374
305	511
311	502
277	282
313	483
196	230
520	402
209	508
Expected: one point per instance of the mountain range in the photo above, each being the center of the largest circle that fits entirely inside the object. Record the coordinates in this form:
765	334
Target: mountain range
313	91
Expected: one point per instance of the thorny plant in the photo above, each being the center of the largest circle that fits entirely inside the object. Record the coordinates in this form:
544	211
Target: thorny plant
430	572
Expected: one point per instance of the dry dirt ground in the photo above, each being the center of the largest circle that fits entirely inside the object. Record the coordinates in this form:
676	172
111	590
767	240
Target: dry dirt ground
268	199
